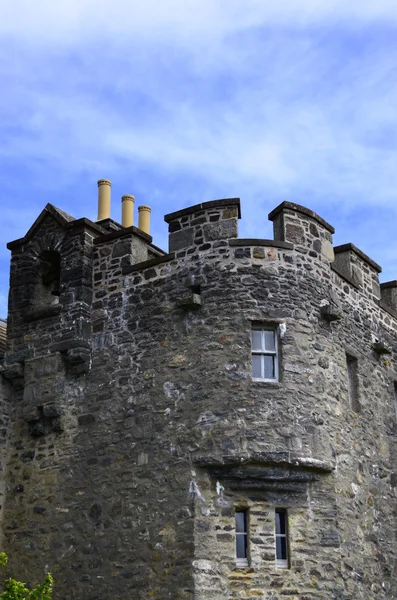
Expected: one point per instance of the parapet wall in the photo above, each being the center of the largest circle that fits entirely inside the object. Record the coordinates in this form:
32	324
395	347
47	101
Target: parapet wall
301	237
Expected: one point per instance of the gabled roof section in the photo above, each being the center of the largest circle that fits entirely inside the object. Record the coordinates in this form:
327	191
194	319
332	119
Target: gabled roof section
64	220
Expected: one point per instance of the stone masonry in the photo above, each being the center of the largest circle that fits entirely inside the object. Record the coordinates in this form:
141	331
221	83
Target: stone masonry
132	428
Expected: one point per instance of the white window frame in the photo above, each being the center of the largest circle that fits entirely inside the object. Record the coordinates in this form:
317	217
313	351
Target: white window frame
264	352
242	562
281	563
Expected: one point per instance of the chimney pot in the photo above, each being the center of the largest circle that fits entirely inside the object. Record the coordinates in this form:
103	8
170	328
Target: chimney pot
127	210
144	218
104	186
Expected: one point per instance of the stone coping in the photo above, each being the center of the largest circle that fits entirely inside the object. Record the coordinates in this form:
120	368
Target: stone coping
204	206
301	209
345	276
152	262
388	284
82	223
159	250
113	235
352	248
110	224
260	242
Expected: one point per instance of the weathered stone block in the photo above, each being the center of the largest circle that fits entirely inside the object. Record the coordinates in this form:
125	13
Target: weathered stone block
181	239
221	230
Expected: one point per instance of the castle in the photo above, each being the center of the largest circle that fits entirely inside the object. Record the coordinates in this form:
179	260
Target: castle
213	422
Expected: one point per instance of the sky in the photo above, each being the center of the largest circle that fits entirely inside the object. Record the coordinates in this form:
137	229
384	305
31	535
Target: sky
183	101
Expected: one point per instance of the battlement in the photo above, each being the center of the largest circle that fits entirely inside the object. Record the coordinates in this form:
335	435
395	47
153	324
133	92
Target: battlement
207	231
301	236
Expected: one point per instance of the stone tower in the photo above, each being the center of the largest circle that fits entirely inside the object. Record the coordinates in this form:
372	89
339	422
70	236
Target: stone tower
215	422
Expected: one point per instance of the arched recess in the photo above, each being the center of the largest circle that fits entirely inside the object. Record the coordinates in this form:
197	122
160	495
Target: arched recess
49	278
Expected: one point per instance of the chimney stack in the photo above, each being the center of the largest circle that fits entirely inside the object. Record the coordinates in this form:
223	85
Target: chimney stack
144	218
104	186
127	210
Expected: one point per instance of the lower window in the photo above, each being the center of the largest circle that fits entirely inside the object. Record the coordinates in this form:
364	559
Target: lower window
281	539
241	517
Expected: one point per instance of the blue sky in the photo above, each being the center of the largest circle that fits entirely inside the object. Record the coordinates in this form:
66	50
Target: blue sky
183	101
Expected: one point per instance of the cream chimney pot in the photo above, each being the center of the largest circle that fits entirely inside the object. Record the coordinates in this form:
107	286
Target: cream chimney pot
144	218
104	186
127	210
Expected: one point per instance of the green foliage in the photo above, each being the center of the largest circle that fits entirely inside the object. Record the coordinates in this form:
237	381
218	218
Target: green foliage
16	590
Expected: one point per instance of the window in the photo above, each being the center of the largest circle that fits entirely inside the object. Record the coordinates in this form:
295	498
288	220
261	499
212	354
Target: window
264	353
281	539
352	382
395	397
241	538
48	284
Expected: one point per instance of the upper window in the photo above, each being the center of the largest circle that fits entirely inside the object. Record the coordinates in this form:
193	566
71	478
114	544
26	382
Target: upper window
264	353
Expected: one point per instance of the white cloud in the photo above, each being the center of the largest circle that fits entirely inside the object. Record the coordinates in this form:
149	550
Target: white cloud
77	20
263	99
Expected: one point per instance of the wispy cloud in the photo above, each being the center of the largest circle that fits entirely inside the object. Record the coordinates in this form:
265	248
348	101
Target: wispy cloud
68	20
183	101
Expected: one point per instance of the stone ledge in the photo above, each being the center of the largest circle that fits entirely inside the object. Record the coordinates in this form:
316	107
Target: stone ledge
152	262
300	209
69	344
261	242
204	206
352	248
279	472
43	312
286	459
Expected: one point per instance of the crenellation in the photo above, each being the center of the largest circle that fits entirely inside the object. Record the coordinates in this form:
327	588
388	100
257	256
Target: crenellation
358	269
202	224
388	296
309	233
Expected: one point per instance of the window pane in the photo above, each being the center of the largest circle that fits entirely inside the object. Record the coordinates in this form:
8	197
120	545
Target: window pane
241	546
270	340
241	522
281	547
269	366
257	365
280	522
256	337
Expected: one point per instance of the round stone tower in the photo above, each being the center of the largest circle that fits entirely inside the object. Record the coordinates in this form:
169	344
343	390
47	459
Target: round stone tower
231	433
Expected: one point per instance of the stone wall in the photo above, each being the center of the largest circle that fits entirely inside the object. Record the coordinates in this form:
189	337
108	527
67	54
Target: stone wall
132	449
6	416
